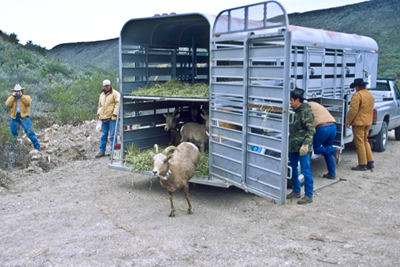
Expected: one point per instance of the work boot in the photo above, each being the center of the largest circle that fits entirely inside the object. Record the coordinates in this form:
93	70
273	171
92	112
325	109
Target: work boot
337	156
329	176
293	195
100	154
359	168
305	200
370	166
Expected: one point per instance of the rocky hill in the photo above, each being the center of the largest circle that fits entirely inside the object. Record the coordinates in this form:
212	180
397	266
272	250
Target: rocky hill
88	54
376	18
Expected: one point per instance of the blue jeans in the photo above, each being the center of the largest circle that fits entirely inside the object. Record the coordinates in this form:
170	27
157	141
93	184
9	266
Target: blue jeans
105	127
26	124
323	140
294	159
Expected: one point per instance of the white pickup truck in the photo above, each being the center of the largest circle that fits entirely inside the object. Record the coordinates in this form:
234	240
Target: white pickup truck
386	114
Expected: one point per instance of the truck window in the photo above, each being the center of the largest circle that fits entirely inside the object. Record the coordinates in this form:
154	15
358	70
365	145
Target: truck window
381	87
396	90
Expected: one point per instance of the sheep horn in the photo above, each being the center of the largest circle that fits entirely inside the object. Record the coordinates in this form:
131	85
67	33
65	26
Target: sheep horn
168	149
175	111
156	147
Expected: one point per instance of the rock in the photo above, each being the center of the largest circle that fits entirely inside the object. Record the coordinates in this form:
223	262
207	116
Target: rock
34	152
34	168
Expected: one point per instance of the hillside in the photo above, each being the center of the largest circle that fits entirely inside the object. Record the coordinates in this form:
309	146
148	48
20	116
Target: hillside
377	18
88	54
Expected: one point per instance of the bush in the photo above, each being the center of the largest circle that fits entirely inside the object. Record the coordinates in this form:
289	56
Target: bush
14	154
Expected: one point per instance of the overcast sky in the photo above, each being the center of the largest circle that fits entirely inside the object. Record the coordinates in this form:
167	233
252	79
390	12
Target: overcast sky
51	22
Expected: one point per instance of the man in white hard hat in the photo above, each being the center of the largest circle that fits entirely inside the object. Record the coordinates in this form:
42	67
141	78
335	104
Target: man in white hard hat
107	113
19	104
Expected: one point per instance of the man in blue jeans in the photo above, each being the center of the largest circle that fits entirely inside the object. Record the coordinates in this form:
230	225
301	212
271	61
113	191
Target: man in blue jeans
324	137
19	104
300	144
107	113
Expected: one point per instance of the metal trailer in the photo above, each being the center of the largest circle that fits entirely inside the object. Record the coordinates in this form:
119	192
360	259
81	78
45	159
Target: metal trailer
252	58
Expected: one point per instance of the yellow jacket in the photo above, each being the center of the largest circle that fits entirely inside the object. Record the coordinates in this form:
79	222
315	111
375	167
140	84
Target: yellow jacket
24	103
108	105
361	107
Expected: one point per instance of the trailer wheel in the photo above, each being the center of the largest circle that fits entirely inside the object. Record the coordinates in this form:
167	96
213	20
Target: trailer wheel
397	133
381	139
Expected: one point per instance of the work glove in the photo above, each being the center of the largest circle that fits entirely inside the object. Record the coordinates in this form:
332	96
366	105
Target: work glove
114	117
303	150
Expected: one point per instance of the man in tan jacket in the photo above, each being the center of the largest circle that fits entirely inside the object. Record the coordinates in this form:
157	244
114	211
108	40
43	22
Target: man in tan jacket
360	118
19	104
107	113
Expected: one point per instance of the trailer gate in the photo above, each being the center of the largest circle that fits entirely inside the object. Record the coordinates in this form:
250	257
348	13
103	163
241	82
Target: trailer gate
249	99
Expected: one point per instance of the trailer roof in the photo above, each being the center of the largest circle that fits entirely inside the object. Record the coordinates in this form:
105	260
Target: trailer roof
323	38
175	30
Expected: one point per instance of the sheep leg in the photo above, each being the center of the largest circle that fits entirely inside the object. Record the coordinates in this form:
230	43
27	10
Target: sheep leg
172	214
186	189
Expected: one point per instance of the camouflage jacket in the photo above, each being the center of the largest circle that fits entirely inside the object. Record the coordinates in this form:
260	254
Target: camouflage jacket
302	129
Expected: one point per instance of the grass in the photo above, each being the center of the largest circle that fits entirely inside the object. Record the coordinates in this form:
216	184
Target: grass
174	87
140	160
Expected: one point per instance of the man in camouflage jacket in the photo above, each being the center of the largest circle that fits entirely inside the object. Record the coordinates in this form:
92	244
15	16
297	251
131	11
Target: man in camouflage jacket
300	144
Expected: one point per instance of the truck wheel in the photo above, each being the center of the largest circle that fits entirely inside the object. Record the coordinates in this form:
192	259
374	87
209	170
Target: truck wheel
381	139
397	133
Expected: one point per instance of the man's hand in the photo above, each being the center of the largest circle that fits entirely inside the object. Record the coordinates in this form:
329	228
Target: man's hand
303	150
114	117
348	126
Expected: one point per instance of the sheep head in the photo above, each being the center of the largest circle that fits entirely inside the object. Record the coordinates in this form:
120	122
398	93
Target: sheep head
171	120
160	161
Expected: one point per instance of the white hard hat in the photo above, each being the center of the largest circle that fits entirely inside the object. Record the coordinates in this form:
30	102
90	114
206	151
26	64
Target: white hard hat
17	87
106	82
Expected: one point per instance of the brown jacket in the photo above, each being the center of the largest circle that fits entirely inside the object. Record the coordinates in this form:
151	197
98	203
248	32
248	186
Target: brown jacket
361	107
24	103
108	104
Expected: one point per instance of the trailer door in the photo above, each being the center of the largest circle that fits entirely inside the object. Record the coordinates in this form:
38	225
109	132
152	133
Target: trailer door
249	99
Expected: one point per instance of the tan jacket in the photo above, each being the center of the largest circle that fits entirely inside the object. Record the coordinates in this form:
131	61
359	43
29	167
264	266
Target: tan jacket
321	114
108	105
361	107
24	103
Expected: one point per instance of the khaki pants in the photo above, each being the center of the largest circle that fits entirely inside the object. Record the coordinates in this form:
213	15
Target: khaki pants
363	148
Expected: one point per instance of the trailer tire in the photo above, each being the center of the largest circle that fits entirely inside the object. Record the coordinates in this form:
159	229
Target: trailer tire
381	139
397	133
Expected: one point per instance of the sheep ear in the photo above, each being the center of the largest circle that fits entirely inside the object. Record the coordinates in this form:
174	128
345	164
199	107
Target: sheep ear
170	156
152	154
165	115
177	115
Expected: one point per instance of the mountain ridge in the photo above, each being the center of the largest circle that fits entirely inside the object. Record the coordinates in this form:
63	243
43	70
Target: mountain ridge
376	19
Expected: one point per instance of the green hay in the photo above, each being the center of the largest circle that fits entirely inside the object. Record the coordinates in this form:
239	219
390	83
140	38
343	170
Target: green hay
140	160
174	88
203	167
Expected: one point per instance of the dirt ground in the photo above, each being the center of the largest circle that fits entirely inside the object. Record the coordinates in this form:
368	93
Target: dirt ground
82	213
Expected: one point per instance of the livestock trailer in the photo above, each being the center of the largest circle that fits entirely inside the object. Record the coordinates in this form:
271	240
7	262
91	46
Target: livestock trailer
251	58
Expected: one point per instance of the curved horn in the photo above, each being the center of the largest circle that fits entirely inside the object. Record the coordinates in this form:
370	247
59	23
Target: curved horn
168	149
156	148
204	111
175	111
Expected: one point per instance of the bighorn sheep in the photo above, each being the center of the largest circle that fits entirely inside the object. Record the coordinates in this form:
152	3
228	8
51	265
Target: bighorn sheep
195	109
176	170
196	133
171	125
